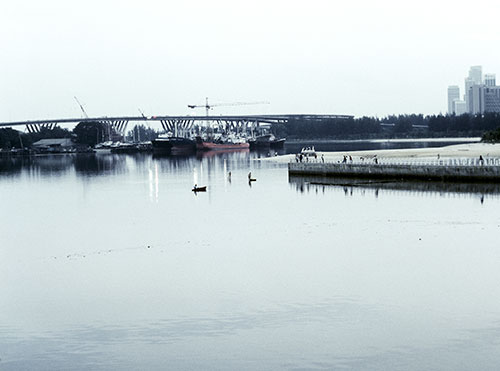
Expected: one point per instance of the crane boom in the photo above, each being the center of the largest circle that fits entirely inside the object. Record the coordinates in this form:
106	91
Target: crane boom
210	106
81	107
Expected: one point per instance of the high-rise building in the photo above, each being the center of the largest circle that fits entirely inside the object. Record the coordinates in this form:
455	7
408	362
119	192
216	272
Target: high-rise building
476	74
491	99
468	85
460	107
475	99
490	79
480	95
453	94
484	99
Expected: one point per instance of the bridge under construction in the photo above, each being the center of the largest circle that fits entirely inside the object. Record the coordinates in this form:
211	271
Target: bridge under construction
171	123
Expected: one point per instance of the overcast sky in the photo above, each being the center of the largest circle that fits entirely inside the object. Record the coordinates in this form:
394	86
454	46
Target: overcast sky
347	57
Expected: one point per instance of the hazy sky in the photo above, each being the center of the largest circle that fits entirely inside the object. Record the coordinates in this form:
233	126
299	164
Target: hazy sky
348	57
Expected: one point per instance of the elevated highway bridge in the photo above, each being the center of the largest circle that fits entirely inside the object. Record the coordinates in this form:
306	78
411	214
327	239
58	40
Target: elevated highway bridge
169	123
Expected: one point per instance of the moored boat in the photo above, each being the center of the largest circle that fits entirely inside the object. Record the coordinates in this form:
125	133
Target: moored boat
173	145
221	144
266	140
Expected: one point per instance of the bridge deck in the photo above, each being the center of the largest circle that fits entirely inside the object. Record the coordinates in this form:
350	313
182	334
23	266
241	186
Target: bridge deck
250	118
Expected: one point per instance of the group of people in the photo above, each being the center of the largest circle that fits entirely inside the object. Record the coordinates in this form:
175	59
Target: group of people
299	157
344	161
348	158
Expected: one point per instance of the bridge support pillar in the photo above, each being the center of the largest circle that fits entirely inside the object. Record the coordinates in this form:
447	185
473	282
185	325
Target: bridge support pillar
36	128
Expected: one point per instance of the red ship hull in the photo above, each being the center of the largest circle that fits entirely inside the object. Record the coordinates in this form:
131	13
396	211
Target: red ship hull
211	146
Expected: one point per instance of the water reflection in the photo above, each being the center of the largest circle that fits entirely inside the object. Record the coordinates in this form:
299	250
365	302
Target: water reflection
129	270
361	186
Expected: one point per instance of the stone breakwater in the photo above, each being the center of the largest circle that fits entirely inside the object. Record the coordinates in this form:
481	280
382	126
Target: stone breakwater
447	172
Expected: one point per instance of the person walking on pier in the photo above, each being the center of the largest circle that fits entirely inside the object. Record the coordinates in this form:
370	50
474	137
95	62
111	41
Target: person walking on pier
322	158
481	160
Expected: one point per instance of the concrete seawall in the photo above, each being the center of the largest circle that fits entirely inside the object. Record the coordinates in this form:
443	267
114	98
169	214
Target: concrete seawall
483	173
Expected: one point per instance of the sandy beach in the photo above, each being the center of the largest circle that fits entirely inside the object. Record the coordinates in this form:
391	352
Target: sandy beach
470	150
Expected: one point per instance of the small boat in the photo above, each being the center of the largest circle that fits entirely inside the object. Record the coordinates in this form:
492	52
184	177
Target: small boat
199	189
252	180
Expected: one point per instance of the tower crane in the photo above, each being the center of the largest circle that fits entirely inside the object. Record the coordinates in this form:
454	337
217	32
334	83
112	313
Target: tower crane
211	106
81	107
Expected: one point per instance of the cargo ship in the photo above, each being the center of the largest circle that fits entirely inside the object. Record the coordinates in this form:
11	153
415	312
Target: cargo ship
173	145
221	144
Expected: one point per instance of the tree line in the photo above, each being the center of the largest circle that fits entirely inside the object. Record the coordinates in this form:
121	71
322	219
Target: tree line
394	126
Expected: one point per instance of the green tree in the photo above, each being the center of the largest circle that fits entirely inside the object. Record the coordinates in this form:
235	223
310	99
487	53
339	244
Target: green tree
10	138
91	132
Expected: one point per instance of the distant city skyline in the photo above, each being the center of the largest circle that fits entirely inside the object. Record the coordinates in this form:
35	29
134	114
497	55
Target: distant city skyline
323	57
481	95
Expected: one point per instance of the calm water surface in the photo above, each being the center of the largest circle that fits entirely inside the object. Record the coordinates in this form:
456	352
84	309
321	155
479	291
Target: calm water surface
110	262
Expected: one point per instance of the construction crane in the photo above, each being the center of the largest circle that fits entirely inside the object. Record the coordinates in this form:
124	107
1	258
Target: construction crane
81	107
211	106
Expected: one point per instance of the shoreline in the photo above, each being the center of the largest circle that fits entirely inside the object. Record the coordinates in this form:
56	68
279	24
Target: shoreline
393	140
469	150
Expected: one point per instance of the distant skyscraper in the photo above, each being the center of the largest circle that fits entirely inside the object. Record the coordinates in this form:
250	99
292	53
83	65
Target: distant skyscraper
475	103
453	94
468	85
484	99
460	107
490	79
480	95
476	74
491	99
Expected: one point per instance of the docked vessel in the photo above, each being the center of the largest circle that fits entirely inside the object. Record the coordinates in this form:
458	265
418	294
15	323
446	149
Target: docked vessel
221	143
173	145
266	141
104	147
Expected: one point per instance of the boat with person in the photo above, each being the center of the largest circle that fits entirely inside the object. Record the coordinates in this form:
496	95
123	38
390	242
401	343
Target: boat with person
199	189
